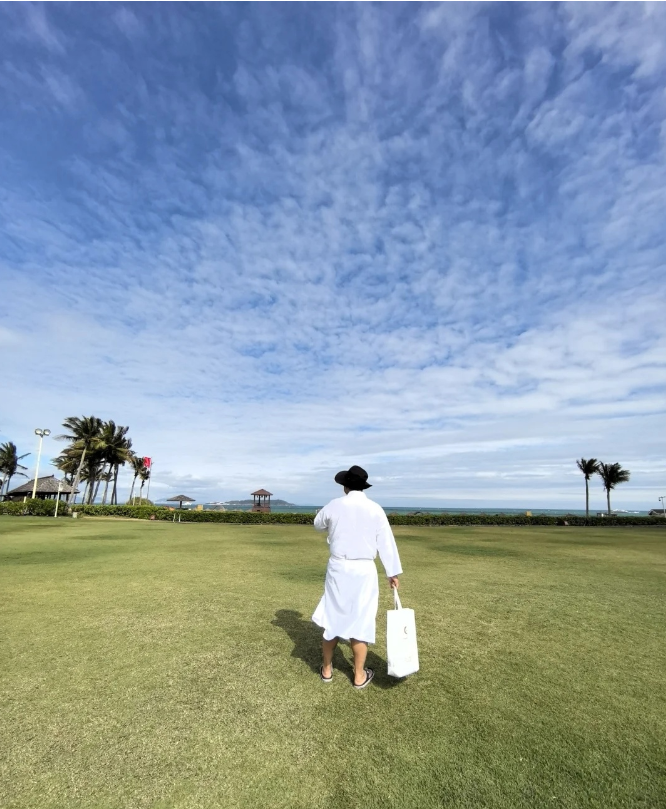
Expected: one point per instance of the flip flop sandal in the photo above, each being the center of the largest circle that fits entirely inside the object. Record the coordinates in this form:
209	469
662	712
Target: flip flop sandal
324	679
369	674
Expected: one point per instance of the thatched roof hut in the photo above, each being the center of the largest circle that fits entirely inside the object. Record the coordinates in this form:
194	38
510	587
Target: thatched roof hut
47	489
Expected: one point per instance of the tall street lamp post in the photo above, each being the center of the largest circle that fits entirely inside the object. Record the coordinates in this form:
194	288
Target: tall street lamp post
663	510
41	434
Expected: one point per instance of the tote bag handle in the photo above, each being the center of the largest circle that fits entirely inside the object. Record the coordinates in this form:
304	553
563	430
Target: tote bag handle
396	599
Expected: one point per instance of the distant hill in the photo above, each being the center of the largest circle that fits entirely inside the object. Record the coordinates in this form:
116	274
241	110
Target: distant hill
250	502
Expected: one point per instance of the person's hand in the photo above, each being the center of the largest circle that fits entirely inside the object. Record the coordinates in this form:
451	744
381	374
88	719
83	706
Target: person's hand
393	582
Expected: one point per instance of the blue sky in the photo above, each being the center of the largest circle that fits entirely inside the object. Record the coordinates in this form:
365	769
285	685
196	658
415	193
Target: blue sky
280	239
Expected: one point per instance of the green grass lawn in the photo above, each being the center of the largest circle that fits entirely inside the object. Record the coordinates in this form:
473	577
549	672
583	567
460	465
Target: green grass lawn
165	665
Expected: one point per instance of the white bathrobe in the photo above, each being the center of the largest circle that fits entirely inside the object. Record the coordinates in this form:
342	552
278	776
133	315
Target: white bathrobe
357	531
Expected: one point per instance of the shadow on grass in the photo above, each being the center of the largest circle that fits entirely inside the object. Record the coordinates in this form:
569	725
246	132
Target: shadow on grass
306	637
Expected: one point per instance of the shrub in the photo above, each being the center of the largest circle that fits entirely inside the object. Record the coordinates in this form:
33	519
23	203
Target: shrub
34	508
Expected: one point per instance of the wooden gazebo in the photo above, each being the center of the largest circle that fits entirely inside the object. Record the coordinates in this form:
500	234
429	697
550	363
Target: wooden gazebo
262	501
180	499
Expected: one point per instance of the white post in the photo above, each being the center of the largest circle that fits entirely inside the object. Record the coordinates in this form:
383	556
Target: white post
58	498
41	434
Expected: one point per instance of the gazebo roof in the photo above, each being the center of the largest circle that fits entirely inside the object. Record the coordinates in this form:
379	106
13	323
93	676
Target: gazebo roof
180	498
45	485
263	493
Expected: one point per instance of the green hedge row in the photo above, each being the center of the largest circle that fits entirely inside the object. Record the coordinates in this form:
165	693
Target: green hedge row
145	512
518	519
187	515
34	508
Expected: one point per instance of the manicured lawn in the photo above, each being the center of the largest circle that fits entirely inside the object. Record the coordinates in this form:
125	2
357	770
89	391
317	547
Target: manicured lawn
160	665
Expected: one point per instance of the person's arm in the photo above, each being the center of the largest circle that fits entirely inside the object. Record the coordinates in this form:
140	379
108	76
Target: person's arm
388	551
321	520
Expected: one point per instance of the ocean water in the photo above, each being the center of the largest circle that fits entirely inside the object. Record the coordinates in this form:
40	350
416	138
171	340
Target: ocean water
555	512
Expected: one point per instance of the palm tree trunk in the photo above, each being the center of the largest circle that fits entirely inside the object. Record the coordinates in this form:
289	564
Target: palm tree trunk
94	485
77	476
98	483
7	487
106	489
608	498
114	493
132	489
587	500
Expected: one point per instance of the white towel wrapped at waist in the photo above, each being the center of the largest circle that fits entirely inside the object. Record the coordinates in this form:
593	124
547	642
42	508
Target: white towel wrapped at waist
348	607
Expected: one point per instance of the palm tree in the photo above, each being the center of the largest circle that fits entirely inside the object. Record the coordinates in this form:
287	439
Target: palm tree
137	466
82	433
144	474
67	463
94	470
588	468
10	463
612	474
104	446
120	454
107	477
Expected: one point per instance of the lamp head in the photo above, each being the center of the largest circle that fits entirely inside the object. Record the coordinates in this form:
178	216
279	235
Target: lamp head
47	432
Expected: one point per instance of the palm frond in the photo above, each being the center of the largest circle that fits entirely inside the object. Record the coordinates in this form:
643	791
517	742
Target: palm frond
612	474
588	467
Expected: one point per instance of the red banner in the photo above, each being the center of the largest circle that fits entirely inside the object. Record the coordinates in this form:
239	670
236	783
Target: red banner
147	462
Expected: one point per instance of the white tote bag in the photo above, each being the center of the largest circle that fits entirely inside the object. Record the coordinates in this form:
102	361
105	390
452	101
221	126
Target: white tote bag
401	650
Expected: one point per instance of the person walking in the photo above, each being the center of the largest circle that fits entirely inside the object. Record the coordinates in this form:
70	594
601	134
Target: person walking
358	530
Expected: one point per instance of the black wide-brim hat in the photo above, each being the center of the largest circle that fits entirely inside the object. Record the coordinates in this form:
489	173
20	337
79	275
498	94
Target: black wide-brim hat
354	477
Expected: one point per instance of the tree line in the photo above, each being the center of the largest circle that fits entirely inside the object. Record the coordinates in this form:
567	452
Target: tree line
95	453
97	450
611	475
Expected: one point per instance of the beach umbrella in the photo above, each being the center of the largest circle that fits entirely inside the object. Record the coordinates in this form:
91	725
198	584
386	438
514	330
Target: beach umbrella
180	499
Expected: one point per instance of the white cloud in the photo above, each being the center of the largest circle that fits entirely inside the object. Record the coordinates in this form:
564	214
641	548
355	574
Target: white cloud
39	28
429	254
128	22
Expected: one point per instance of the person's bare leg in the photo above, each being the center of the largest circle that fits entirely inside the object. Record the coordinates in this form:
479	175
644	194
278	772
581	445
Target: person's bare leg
360	650
327	648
